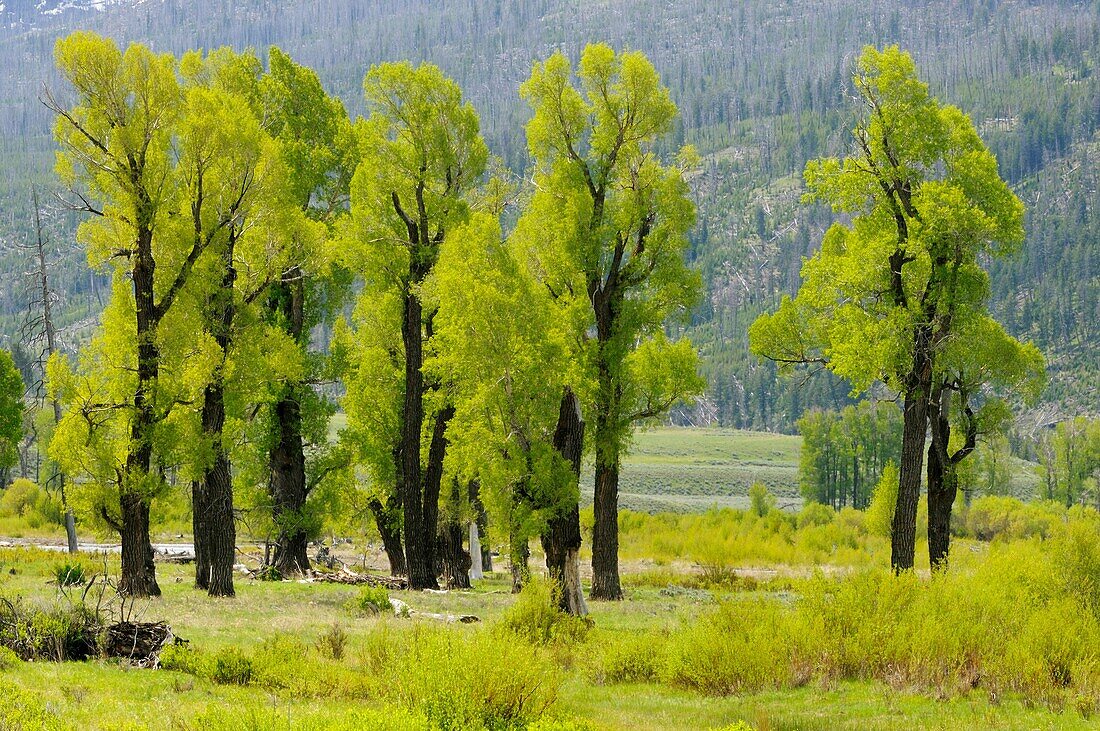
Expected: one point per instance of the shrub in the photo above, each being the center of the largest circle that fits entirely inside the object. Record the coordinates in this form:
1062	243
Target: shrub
537	617
460	682
24	499
231	667
185	659
8	659
815	514
333	642
371	600
634	658
69	574
21	710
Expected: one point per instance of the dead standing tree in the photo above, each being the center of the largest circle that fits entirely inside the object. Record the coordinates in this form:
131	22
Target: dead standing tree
39	336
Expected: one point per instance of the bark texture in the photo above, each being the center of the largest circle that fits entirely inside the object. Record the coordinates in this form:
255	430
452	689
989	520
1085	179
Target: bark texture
943	475
287	460
139	577
561	540
387	517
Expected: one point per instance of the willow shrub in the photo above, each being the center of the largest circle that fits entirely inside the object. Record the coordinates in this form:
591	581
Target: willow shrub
455	679
1020	617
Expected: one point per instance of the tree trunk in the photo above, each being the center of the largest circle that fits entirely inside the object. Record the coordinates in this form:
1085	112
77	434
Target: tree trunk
904	529
482	527
561	540
605	534
70	529
287	460
138	571
200	512
419	541
943	483
288	488
219	532
139	578
943	475
519	551
477	573
388	519
456	561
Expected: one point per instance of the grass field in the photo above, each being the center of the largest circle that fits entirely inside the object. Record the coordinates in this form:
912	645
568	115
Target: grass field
692	470
100	694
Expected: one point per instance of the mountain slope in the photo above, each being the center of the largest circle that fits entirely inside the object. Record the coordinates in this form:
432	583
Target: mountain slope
761	86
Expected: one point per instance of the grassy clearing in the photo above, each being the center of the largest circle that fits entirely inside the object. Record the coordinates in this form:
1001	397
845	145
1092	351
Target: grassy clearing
1005	640
691	470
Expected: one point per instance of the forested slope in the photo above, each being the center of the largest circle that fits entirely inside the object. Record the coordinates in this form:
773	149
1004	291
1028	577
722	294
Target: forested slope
761	87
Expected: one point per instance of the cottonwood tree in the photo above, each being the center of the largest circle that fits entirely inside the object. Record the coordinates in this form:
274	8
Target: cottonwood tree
421	157
242	216
607	229
503	355
925	199
319	149
116	153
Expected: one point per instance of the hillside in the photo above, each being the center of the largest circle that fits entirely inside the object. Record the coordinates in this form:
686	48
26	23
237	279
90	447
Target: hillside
761	87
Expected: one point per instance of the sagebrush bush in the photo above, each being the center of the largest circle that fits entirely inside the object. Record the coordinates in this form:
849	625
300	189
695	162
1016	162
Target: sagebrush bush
186	659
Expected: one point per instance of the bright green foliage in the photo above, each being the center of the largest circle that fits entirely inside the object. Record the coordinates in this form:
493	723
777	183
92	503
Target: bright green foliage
11	413
505	361
880	512
318	142
236	186
606	231
1070	459
949	206
537	617
843	453
761	502
25	500
421	142
608	216
421	156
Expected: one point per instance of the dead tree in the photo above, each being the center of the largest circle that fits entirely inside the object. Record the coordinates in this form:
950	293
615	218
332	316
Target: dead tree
40	337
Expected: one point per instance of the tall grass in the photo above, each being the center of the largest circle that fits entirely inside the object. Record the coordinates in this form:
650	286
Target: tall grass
1022	617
